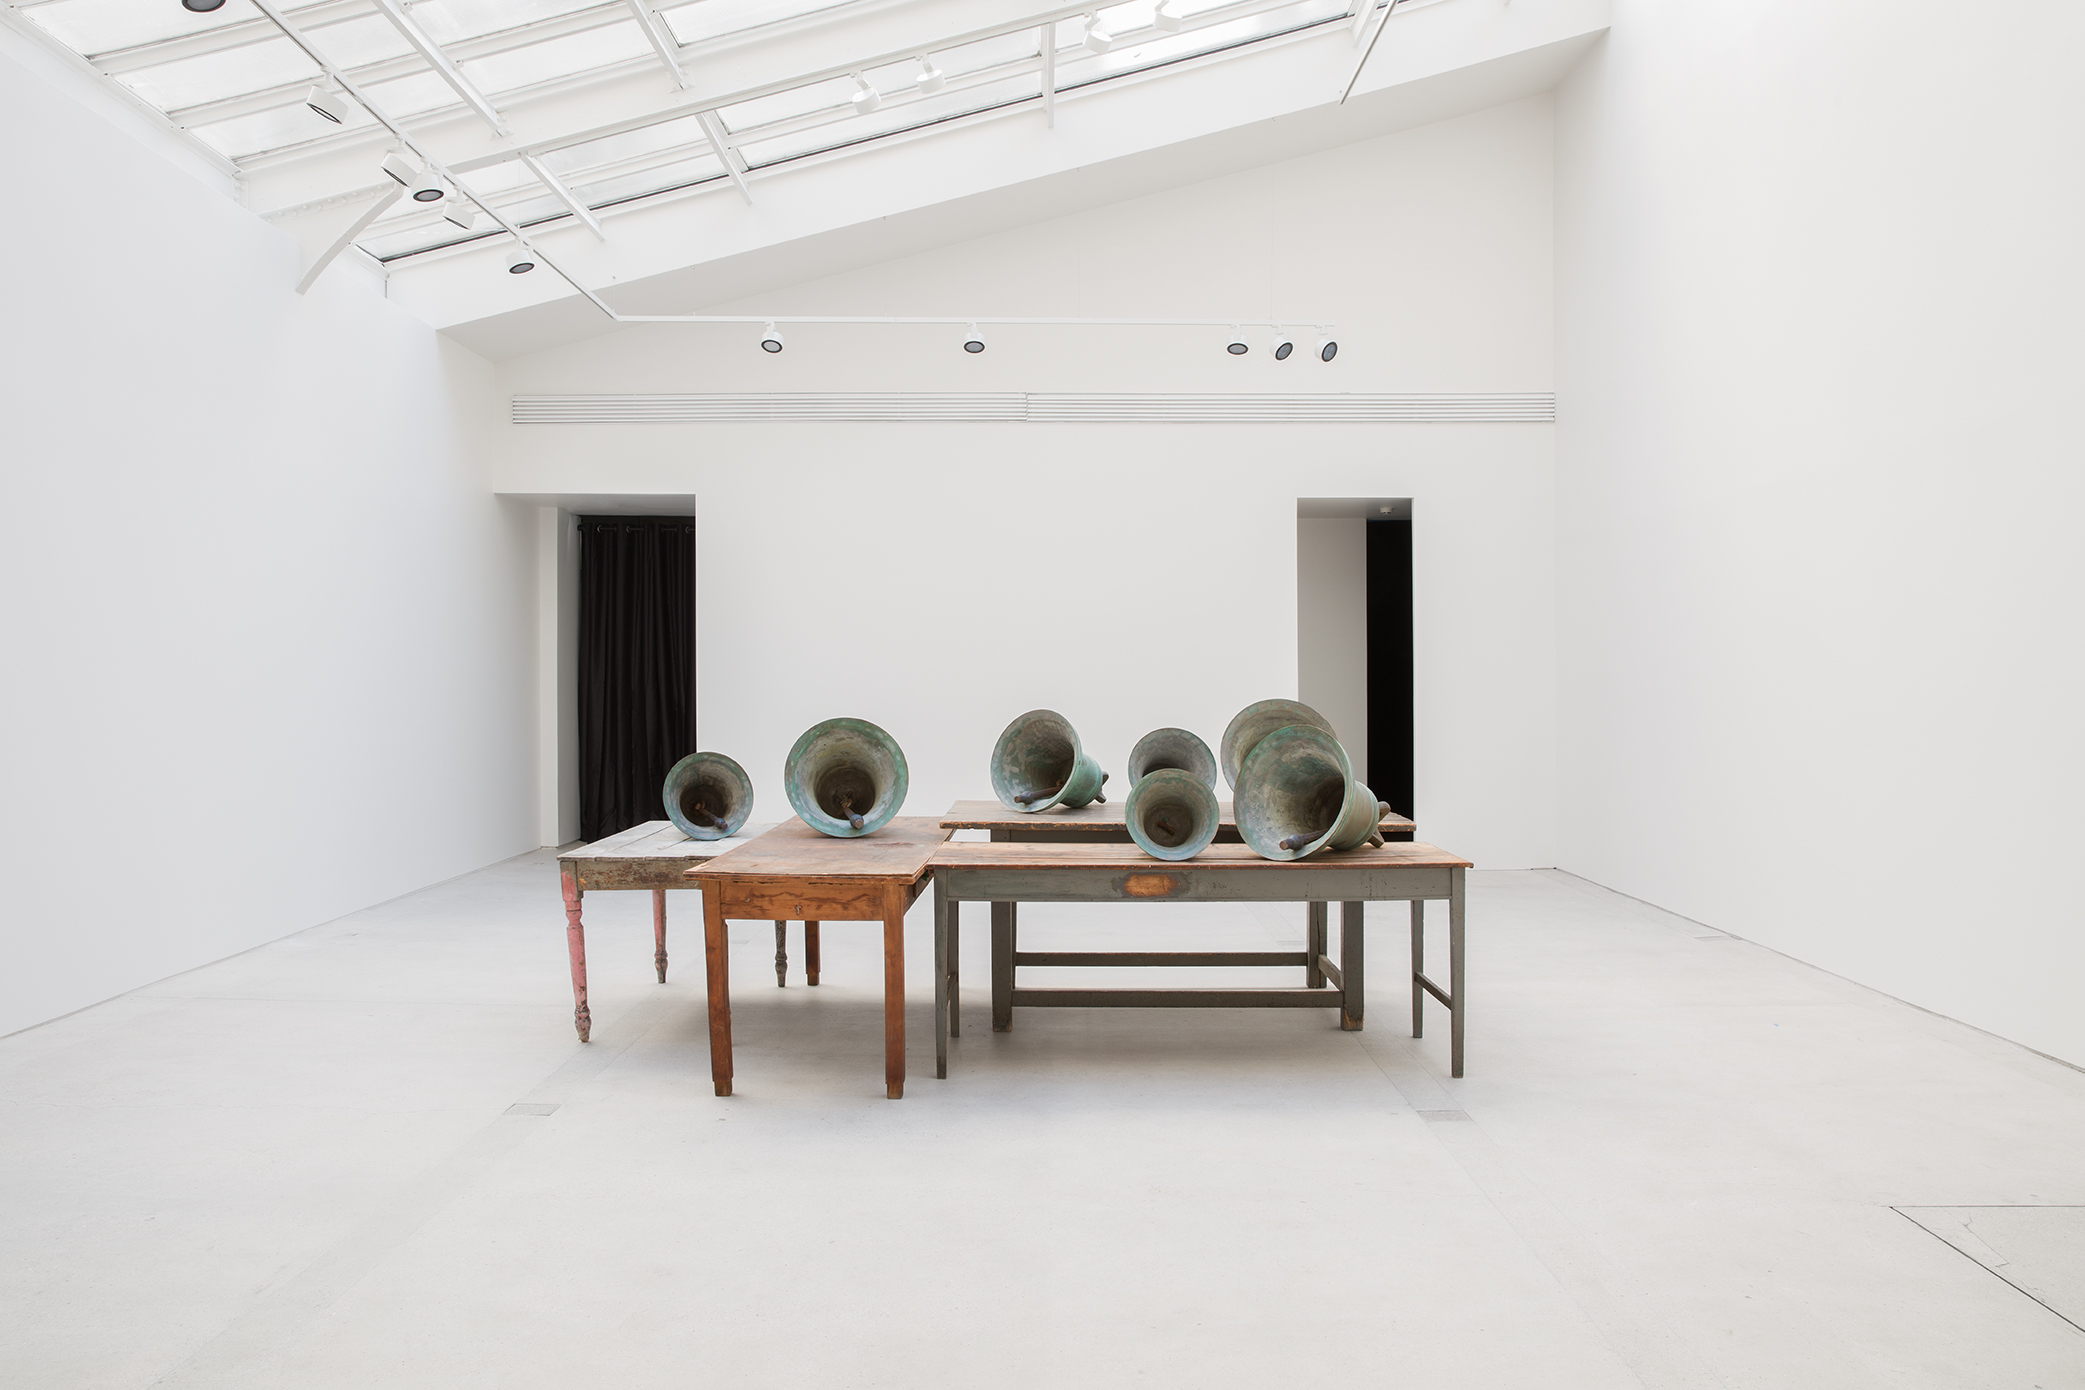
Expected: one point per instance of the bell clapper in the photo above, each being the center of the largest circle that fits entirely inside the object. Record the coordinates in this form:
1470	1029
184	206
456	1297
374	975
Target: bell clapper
1026	797
1297	841
847	810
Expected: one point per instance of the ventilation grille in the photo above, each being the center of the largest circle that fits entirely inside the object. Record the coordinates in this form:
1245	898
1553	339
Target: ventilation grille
1035	406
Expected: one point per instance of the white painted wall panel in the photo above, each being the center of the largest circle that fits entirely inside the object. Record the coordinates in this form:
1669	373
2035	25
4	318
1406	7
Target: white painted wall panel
1819	292
941	577
268	630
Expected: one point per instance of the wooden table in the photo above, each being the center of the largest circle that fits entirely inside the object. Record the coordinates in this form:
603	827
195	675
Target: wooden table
654	856
794	873
1068	872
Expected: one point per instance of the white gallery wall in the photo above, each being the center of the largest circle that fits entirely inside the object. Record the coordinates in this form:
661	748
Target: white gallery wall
1332	627
1819	292
269	631
940	578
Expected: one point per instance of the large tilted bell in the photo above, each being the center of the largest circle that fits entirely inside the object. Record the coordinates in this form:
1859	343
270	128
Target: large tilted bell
1172	814
1255	722
1038	763
708	796
1297	795
1177	748
845	777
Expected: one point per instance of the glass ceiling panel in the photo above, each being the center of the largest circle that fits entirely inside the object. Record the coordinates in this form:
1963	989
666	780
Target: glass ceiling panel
709	19
102	26
1077	66
216	76
370	39
272	130
412	95
850	128
638	183
555	58
634	144
451	21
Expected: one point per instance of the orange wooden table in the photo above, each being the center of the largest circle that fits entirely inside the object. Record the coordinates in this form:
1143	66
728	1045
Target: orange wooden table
794	873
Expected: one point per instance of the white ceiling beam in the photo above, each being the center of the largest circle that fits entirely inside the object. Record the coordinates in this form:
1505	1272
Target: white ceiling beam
1362	62
662	40
441	62
1047	42
347	238
726	152
412	146
564	195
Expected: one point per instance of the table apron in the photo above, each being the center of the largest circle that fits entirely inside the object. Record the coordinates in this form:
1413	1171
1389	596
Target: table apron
610	875
1184	882
808	899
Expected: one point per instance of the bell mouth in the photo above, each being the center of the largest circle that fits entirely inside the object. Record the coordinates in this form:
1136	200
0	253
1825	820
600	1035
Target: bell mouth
1035	760
1172	748
1172	814
708	796
845	777
1291	792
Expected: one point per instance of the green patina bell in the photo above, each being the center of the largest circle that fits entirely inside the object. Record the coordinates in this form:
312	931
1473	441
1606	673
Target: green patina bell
1038	763
1255	722
1172	813
708	796
1172	748
845	777
1297	795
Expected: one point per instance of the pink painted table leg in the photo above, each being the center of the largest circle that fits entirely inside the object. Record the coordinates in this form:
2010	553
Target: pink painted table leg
659	931
575	941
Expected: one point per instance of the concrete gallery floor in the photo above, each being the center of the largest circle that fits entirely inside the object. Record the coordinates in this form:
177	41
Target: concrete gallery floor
372	1154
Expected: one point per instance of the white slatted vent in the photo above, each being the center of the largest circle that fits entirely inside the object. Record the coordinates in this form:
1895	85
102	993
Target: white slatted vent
1037	406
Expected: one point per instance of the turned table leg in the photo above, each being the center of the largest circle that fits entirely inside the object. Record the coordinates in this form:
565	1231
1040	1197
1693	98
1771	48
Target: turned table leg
659	932
781	954
575	942
716	953
894	996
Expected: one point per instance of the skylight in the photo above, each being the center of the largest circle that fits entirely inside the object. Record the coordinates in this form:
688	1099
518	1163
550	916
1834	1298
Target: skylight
592	106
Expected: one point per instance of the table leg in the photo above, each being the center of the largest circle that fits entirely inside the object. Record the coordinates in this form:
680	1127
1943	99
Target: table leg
716	952
1418	967
810	953
941	1002
894	995
659	932
1351	966
781	955
1002	967
1455	973
575	943
955	969
1314	943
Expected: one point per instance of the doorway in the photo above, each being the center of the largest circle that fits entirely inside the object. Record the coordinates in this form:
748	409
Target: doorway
636	665
1354	661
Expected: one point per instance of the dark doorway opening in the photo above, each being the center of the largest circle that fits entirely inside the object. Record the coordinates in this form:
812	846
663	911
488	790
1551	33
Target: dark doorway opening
1390	732
636	698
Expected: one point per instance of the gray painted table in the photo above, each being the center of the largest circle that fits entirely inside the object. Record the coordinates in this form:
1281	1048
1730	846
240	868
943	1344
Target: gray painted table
1004	873
654	856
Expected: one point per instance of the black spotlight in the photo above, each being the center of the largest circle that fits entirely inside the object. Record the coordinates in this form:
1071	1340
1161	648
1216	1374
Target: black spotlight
202	6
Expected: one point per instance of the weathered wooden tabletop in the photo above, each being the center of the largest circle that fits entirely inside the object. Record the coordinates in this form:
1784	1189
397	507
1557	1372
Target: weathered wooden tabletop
1097	819
652	855
898	852
1109	858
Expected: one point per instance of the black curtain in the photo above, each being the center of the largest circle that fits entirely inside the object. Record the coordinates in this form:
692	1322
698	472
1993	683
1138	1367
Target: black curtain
636	665
1390	733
